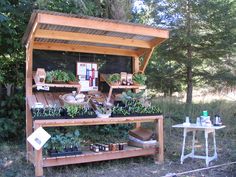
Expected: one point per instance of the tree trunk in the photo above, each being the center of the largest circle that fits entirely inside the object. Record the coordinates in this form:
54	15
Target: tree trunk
189	56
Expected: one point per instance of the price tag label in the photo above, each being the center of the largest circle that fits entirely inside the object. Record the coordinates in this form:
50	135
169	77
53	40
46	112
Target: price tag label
38	138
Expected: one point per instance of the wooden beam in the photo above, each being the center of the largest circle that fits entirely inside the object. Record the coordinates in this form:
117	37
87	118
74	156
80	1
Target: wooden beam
146	59
84	49
74	36
105	25
32	32
157	41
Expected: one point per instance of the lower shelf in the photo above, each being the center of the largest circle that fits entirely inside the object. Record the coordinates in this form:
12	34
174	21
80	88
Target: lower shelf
89	156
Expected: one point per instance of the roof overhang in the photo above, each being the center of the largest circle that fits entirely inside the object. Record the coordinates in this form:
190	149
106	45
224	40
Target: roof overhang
75	33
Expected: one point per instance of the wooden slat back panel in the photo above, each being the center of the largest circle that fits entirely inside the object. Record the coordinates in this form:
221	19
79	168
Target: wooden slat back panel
40	98
31	100
49	98
57	99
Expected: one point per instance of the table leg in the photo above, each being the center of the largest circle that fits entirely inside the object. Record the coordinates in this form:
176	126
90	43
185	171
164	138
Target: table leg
207	157
193	143
183	146
214	139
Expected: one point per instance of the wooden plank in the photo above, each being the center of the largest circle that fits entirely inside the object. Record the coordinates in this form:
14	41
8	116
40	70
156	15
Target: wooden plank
146	59
57	100
95	121
40	98
159	129
31	100
38	161
103	25
101	39
157	41
84	49
49	98
93	157
28	88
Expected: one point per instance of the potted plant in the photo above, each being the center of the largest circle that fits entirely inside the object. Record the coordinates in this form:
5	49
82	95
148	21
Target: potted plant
63	144
46	113
103	111
139	78
72	78
57	76
72	110
119	111
114	79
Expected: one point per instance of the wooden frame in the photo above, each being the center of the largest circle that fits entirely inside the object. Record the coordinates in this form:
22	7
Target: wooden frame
64	32
158	152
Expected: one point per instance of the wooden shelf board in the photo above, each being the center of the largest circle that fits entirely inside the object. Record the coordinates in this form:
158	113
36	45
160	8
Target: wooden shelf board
96	121
55	85
105	76
89	156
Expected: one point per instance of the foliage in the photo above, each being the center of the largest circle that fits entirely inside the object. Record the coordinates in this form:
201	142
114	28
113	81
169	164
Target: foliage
57	75
201	44
12	117
114	78
71	77
46	112
60	140
139	78
129	95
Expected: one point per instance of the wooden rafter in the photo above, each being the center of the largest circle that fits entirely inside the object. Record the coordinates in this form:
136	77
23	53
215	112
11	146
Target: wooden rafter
50	34
84	49
102	25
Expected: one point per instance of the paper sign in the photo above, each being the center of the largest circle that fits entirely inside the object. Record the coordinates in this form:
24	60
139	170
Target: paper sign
38	138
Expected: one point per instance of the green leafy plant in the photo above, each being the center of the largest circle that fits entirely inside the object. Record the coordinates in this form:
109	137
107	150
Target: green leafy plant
57	75
120	110
73	110
139	78
114	78
72	77
46	112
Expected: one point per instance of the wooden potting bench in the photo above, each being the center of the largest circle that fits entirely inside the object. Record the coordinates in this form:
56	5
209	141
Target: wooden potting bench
75	33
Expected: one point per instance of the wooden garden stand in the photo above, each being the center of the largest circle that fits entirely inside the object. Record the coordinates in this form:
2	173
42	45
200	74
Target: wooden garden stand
66	32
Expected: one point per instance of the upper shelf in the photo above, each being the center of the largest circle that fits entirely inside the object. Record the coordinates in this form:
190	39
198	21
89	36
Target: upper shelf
105	77
39	84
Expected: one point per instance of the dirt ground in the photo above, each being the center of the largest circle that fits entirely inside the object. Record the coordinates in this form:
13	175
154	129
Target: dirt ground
13	162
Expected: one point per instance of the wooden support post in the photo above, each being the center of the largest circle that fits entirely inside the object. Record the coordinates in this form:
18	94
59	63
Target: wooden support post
160	139
38	160
28	87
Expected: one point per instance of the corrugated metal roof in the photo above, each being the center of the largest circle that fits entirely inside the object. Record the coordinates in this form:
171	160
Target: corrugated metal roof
91	31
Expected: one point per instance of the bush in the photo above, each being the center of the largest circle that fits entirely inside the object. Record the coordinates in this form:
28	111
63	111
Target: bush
12	117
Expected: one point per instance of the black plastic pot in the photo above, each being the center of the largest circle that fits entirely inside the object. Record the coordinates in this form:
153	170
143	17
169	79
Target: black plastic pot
65	152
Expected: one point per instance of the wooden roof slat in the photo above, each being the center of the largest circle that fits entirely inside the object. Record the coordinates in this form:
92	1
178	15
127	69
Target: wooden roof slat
84	49
102	25
91	38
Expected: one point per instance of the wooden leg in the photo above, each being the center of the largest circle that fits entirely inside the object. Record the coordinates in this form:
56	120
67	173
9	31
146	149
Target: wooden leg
29	130
160	139
38	163
109	95
138	124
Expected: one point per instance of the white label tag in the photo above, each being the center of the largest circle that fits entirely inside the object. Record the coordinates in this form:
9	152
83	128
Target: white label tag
38	138
46	88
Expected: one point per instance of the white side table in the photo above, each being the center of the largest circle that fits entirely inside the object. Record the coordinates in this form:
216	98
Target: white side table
207	130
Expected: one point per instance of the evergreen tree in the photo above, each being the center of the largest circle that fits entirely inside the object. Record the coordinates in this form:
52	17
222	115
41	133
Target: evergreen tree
202	36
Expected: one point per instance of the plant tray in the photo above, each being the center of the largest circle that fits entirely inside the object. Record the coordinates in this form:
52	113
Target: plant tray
69	153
